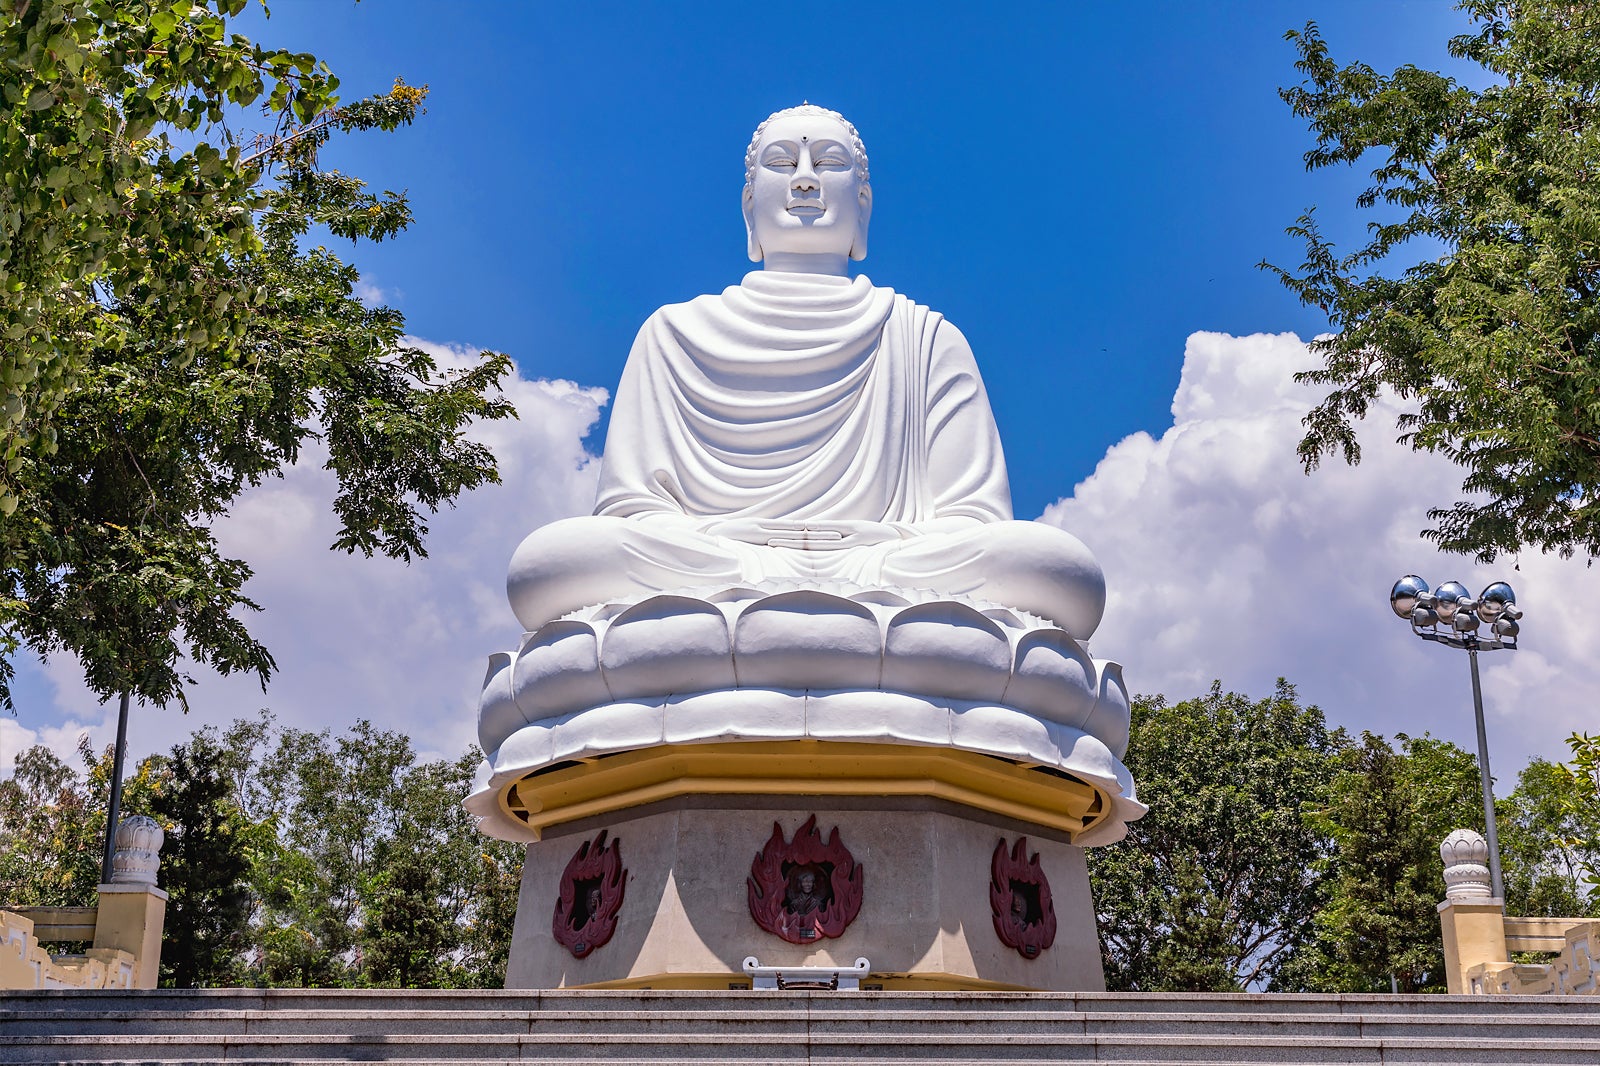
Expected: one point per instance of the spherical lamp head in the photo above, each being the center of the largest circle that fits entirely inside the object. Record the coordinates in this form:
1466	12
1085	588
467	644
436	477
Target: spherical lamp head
1494	600
1449	596
1403	597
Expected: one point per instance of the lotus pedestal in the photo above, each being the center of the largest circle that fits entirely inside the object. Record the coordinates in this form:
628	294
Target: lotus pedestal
807	777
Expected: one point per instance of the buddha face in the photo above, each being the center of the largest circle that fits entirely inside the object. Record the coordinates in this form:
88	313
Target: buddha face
806	195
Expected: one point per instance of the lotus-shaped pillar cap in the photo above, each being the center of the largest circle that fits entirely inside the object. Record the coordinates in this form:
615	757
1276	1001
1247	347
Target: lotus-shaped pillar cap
1466	871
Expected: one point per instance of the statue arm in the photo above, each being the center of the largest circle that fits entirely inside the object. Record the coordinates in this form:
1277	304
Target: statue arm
966	466
637	440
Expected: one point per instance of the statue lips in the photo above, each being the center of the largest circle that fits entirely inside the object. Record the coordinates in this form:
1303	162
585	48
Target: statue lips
806	208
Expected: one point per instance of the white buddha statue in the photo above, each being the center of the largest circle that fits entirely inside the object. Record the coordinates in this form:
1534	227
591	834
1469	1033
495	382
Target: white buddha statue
804	426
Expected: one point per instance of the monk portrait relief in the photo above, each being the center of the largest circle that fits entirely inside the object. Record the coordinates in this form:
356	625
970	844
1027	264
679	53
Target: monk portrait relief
804	425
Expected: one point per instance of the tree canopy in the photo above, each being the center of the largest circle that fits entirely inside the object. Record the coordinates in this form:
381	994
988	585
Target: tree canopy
1215	889
1494	340
1385	811
179	337
292	858
1277	855
1280	855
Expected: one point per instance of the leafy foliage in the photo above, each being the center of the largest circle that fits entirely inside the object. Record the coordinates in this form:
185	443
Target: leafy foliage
100	207
1550	841
1386	811
1215	888
292	858
1497	341
1579	803
212	343
1276	854
53	821
205	866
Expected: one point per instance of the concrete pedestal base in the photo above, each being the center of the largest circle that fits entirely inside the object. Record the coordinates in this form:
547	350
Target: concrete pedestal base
925	918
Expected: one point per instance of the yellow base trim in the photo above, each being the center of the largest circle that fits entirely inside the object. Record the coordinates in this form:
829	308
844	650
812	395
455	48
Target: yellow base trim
611	783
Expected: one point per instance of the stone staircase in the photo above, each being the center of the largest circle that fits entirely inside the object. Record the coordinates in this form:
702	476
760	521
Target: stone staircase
613	1028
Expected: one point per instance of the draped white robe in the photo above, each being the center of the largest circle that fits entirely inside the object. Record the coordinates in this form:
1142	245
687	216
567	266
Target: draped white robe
807	397
810	399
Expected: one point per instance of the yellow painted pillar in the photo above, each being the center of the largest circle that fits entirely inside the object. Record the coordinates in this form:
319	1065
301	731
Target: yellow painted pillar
1474	933
130	918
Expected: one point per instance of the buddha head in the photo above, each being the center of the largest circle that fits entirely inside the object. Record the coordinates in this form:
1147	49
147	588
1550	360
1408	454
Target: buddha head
806	186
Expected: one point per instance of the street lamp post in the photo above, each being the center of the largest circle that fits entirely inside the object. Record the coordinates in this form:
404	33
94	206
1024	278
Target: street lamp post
1452	606
114	808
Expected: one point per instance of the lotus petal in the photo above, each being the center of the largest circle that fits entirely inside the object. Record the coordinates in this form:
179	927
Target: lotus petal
498	714
946	649
876	716
1002	731
801	640
1054	678
1111	716
743	714
558	671
665	645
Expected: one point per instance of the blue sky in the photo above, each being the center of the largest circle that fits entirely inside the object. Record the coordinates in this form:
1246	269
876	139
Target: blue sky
1085	189
1077	186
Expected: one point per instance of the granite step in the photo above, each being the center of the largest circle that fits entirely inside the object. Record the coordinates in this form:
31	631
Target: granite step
537	1026
614	1028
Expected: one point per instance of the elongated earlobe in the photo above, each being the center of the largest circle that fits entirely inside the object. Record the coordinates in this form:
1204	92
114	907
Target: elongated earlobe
858	246
752	246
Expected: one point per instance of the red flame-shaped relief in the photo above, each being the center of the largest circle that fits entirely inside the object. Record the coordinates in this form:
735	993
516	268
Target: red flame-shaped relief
805	890
1019	896
591	894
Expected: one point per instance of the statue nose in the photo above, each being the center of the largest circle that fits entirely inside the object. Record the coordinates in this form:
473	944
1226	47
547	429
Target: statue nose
805	177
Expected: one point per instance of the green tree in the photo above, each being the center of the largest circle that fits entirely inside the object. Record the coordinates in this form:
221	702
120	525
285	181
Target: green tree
335	803
1496	341
1387	811
291	858
119	182
380	877
486	939
211	341
1548	844
205	867
49	844
52	824
1215	889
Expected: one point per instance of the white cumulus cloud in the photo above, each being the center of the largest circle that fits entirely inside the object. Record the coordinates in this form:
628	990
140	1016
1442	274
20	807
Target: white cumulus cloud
1224	560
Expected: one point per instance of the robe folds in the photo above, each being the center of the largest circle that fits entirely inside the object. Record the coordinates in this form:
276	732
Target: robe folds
800	396
803	400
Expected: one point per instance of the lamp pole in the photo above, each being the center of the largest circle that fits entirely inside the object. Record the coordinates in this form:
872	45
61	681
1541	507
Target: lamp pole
1454	608
1485	780
114	811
